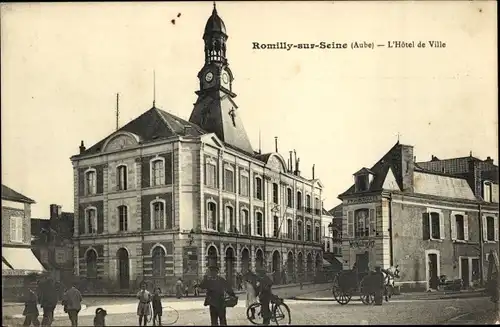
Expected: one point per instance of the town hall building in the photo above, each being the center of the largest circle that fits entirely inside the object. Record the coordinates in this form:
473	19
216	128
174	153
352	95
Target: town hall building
431	218
163	197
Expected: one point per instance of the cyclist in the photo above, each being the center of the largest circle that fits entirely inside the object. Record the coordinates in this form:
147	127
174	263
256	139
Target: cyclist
264	291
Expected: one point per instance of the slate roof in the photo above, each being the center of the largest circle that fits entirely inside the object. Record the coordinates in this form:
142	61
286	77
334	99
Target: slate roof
336	211
11	195
214	24
153	125
454	166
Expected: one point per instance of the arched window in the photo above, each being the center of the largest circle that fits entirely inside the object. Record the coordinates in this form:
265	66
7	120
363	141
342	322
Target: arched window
317	233
259	223
121	172
299	200
157	172
289	228
212	215
300	230
289	197
122	218
245	222
229	220
158	257
91	260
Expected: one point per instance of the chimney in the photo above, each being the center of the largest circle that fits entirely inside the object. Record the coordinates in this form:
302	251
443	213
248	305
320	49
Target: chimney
408	167
313	171
295	161
291	161
187	129
276	144
82	147
489	160
297	172
55	211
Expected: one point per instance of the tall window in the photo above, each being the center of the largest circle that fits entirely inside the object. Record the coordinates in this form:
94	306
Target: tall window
490	228
121	171
158	215
435	225
259	223
300	231
487	191
16	229
245	222
157	172
211	174
228	180
212	215
258	188
289	228
91	182
244	185
308	203
460	226
362	227
308	232
158	262
123	218
276	226
275	193
91	217
230	225
317	206
91	261
299	200
289	197
316	233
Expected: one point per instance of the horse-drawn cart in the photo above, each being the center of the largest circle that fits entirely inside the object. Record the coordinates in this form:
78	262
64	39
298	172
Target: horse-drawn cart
348	283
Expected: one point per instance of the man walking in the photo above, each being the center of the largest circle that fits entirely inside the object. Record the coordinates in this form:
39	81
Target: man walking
30	307
72	302
48	299
216	287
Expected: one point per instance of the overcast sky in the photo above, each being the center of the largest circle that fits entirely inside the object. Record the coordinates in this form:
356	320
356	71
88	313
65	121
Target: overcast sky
62	65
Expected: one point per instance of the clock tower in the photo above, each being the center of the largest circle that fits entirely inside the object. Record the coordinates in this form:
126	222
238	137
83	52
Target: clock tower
215	110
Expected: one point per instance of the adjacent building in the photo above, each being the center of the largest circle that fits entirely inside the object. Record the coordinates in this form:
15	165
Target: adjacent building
163	197
18	261
433	218
52	243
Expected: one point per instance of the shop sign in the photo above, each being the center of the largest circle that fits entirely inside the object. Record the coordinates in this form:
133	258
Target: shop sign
362	244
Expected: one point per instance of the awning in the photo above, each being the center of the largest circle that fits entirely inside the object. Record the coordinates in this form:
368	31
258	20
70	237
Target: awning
22	260
5	267
326	263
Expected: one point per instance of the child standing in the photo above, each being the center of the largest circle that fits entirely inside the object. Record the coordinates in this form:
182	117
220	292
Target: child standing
157	308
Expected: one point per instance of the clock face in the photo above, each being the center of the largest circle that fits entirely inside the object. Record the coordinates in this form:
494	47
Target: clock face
225	78
209	76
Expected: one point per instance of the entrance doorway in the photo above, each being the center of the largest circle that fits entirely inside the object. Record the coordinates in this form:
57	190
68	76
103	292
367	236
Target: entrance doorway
230	261
475	271
245	260
123	269
432	260
362	262
464	270
290	269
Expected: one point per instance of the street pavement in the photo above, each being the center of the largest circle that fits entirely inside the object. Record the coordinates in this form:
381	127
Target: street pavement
399	310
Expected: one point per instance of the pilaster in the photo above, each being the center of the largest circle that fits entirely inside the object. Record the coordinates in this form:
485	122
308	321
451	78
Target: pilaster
252	257
222	259
105	175
220	187
238	257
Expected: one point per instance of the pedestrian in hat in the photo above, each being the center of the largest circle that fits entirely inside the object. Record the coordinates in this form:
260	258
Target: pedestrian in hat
72	302
216	287
143	307
264	290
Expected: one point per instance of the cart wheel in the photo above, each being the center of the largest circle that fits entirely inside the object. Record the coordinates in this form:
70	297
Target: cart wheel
342	296
367	298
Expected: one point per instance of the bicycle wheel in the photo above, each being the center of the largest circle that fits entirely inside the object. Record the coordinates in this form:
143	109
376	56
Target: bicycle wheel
281	314
254	314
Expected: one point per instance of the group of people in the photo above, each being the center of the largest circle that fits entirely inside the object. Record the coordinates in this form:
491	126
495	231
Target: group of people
43	293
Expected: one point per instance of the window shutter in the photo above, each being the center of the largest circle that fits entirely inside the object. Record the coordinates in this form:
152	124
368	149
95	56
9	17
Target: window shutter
485	228
13	229
453	223
113	174
441	226
372	223
350	224
19	229
425	226
496	229
466	227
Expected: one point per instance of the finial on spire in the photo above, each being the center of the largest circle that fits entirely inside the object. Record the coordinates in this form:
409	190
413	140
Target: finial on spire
398	135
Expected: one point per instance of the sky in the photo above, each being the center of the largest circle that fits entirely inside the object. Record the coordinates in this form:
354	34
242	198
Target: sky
63	63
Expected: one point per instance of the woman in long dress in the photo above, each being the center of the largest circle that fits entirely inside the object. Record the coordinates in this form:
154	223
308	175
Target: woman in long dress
143	307
250	286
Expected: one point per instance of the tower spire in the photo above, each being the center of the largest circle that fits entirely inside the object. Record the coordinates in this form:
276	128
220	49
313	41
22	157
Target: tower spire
154	88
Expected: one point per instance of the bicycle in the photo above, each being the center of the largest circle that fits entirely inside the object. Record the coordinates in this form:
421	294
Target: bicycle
279	312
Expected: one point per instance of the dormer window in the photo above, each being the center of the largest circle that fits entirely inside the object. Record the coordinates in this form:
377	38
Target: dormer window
362	182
